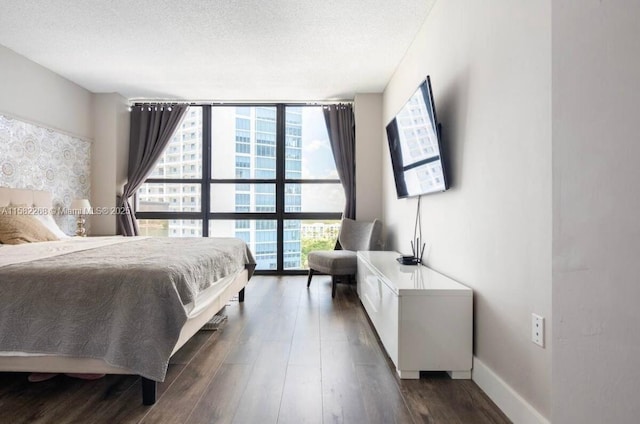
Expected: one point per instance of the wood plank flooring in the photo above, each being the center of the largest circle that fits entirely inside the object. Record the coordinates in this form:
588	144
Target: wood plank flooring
287	355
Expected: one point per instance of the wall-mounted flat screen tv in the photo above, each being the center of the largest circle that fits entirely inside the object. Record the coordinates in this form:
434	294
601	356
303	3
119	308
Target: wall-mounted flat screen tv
415	148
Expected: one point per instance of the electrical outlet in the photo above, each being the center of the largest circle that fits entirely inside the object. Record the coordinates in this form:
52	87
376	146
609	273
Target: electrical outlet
537	330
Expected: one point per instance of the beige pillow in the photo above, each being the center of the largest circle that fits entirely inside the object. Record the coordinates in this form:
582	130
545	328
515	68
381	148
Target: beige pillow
19	229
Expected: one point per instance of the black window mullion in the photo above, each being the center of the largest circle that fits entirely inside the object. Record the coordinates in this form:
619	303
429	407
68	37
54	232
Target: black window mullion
244	181
312	215
207	181
174	180
206	169
280	180
308	181
243	215
169	215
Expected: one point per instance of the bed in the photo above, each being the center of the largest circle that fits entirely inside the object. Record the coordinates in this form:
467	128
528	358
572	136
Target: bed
110	305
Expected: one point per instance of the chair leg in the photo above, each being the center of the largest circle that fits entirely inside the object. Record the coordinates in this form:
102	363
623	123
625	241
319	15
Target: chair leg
333	285
309	279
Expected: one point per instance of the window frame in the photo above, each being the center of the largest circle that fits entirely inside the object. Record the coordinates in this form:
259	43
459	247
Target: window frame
280	181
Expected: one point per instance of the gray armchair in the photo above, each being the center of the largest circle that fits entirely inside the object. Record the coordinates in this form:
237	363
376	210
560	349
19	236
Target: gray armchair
354	236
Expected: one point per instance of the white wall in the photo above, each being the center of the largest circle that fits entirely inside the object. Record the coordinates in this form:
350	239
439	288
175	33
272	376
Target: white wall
37	95
34	94
110	158
368	116
596	232
490	68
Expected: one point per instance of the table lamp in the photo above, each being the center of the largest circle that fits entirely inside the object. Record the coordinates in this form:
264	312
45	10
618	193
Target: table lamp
81	207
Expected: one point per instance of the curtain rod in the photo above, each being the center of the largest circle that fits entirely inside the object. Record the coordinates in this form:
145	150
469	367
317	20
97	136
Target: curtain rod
133	102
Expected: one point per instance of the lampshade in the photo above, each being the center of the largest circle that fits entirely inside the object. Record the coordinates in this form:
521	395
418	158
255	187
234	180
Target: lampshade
81	206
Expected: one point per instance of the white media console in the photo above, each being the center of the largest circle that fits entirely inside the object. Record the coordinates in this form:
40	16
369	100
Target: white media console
424	319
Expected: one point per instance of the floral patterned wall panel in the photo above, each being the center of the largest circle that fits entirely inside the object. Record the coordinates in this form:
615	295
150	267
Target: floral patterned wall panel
43	159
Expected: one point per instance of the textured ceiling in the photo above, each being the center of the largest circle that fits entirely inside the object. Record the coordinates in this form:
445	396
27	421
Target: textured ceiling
217	50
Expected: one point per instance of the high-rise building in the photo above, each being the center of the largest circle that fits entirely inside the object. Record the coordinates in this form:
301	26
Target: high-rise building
182	159
293	192
243	147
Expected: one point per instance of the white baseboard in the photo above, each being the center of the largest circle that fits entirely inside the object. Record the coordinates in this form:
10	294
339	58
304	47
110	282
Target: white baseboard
508	400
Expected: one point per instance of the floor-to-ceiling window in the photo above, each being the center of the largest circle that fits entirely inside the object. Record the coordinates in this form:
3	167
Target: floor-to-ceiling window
262	173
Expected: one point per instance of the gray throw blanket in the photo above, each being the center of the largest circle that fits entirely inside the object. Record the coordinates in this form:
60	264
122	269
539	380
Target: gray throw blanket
124	303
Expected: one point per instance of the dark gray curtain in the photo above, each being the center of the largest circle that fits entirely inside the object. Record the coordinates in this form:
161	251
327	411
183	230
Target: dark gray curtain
152	126
342	135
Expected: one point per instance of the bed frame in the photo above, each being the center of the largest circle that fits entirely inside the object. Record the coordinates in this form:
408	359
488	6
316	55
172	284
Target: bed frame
64	364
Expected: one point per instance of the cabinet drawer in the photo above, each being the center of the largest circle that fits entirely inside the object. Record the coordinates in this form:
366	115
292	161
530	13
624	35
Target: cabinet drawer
388	324
381	305
369	292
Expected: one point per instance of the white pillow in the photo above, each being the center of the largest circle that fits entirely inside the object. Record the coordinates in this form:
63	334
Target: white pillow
50	223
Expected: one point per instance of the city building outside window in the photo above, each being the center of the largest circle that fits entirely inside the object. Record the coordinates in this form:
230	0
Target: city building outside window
262	173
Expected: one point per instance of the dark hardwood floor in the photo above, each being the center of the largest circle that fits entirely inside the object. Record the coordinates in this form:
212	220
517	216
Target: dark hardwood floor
287	355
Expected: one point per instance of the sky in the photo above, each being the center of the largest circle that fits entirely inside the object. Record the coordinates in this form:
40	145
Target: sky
317	158
317	162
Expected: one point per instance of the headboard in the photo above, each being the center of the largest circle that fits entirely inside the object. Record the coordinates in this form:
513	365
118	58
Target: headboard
18	196
38	158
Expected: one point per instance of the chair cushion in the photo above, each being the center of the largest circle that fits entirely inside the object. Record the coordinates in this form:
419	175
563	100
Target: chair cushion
360	235
333	262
